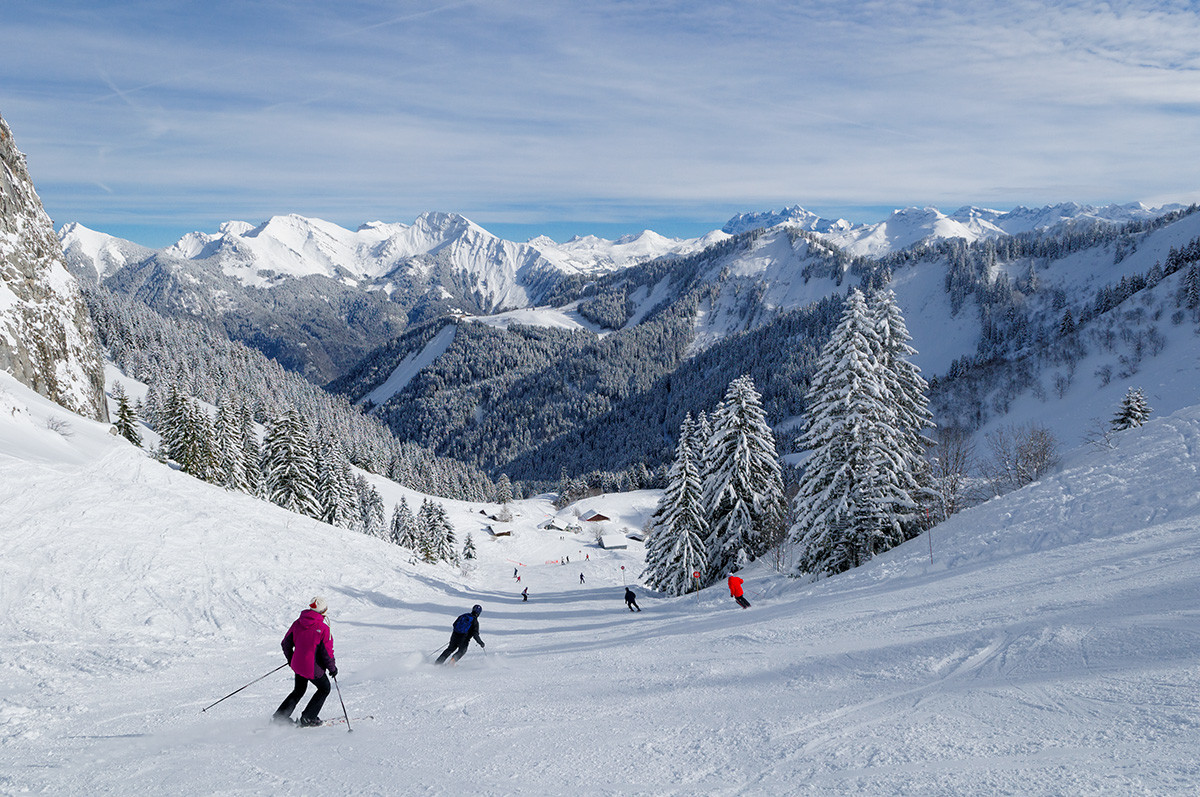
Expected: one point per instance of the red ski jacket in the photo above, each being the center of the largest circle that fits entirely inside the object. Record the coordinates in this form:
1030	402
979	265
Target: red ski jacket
309	645
735	586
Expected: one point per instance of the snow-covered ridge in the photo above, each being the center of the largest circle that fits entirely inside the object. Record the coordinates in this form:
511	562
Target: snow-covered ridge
908	226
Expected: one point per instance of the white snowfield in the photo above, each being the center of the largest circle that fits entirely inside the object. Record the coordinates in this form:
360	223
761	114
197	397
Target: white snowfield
1053	647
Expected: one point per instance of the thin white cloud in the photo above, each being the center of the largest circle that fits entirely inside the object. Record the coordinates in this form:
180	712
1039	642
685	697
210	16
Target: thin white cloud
545	107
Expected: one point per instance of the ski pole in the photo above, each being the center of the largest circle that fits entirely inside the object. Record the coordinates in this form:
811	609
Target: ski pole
343	702
235	691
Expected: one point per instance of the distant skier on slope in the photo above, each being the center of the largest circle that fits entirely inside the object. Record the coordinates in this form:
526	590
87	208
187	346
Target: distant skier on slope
465	627
735	589
631	600
308	646
525	595
581	578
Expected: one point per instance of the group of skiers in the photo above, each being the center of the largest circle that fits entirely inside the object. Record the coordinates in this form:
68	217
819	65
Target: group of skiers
308	646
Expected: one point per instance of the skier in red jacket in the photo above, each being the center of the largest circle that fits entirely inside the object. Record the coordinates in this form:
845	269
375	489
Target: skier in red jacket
308	646
735	589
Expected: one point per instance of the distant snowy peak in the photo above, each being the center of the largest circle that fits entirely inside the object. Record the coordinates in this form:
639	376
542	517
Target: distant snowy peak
592	254
795	216
103	253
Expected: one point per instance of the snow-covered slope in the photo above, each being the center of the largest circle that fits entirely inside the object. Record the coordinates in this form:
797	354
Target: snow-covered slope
1049	648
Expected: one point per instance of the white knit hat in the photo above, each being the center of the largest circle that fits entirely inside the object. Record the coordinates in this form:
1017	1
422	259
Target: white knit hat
318	604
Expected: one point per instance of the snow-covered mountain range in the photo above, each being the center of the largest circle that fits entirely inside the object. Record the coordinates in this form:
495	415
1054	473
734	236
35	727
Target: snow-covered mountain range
318	297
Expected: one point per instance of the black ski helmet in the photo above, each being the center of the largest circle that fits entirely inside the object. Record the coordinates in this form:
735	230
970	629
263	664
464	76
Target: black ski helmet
476	609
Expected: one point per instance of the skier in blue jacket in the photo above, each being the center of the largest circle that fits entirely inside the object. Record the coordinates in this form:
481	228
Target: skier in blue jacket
466	628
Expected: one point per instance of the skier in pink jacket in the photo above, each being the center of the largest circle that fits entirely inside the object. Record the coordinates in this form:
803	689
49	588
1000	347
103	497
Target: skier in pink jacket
308	646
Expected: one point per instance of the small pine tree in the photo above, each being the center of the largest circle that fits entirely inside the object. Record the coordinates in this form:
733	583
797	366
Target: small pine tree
1133	412
468	551
126	416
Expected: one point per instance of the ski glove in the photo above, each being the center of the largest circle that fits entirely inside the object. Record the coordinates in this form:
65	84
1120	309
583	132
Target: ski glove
333	672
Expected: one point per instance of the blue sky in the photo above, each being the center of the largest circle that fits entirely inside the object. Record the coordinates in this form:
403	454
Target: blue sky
150	118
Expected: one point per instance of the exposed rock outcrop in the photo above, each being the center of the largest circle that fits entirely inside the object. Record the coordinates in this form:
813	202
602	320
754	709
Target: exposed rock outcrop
46	336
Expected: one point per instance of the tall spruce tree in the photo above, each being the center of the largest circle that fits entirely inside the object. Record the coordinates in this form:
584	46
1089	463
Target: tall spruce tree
863	429
743	490
675	549
906	391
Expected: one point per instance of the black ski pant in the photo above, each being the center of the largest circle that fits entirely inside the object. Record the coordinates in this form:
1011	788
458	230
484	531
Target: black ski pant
313	710
456	648
633	605
741	601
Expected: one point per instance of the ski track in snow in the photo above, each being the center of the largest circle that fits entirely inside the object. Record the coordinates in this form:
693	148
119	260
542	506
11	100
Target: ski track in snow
1050	649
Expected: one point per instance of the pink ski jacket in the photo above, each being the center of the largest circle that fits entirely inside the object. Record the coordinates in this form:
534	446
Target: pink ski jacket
309	645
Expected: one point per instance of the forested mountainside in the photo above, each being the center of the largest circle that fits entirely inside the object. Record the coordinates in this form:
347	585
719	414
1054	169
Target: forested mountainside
994	319
206	365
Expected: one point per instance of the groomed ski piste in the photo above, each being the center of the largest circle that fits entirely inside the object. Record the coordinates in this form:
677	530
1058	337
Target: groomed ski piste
1052	646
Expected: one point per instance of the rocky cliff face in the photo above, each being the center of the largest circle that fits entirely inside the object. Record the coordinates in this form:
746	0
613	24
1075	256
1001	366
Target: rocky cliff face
46	336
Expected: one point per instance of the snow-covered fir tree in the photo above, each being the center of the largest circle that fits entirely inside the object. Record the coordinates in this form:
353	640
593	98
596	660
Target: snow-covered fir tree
195	442
447	544
370	507
251	451
743	490
426	532
1133	412
336	491
907	392
468	551
857	491
404	526
126	420
289	470
229	466
504	492
675	549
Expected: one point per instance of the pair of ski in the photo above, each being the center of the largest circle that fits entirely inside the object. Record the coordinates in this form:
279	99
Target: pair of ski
332	722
